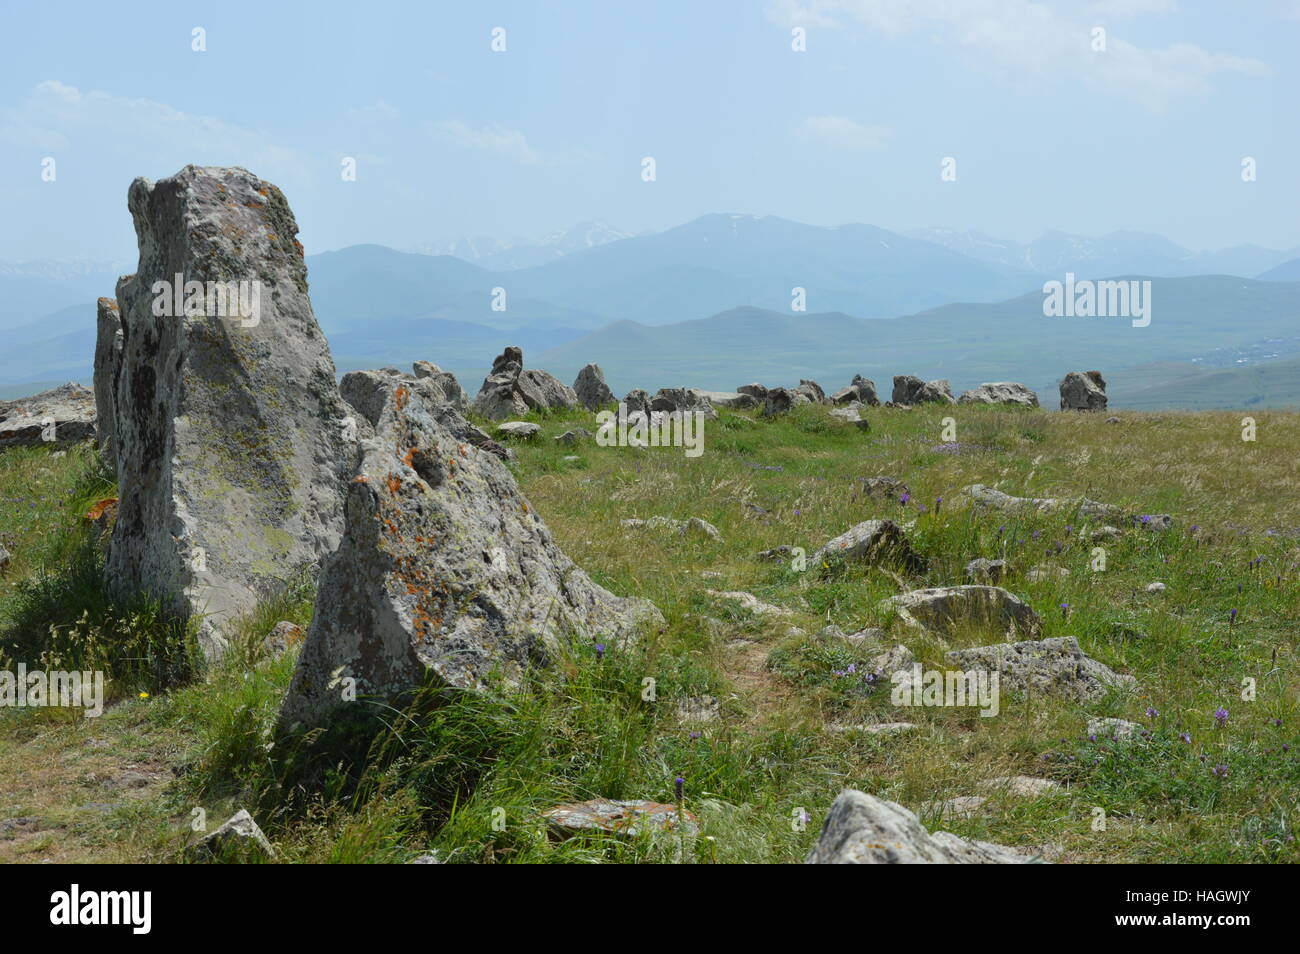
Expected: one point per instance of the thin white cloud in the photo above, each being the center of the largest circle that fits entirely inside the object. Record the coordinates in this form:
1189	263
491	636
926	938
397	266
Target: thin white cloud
842	133
61	118
378	110
495	140
1038	40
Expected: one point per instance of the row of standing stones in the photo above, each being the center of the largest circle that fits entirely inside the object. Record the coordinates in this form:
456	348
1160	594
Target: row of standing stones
241	462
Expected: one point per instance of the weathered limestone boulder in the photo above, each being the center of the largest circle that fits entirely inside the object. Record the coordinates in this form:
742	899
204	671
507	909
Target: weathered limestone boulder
870	541
108	359
233	444
542	390
982	570
810	391
1083	391
732	399
518	430
861	829
445	381
850	415
862	390
511	391
944	610
55	418
1000	392
1055	666
366	391
682	400
637	401
591	390
909	390
757	391
883	487
445	574
778	401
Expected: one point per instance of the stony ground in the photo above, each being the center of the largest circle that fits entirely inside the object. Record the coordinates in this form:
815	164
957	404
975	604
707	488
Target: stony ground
746	705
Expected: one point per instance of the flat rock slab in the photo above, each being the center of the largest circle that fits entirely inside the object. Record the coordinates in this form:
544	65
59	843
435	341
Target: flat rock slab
445	574
233	443
56	418
945	610
518	430
874	728
861	829
620	817
749	602
1023	786
1053	666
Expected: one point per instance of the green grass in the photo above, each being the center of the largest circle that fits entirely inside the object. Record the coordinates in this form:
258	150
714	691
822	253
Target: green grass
469	774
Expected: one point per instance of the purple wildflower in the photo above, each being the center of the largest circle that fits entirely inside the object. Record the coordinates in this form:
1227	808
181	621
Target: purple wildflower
1221	716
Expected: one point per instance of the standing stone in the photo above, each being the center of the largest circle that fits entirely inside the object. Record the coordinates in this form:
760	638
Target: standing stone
232	440
862	390
510	391
445	573
910	390
108	359
1083	391
590	387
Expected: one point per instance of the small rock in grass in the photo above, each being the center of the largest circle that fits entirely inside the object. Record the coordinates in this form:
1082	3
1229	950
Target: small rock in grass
1156	587
239	835
1117	729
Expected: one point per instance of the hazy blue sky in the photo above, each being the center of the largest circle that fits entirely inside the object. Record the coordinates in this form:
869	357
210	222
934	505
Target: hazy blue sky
452	138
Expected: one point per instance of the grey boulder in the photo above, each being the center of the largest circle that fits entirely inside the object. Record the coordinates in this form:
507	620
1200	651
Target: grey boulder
591	390
870	541
862	390
1083	391
861	829
1000	392
909	390
1052	666
445	574
55	418
944	610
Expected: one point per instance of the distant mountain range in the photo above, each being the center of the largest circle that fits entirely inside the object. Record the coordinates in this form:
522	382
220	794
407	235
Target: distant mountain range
709	303
520	253
1196	323
1119	253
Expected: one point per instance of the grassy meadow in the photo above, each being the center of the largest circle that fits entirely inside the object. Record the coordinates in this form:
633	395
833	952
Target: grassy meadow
468	775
